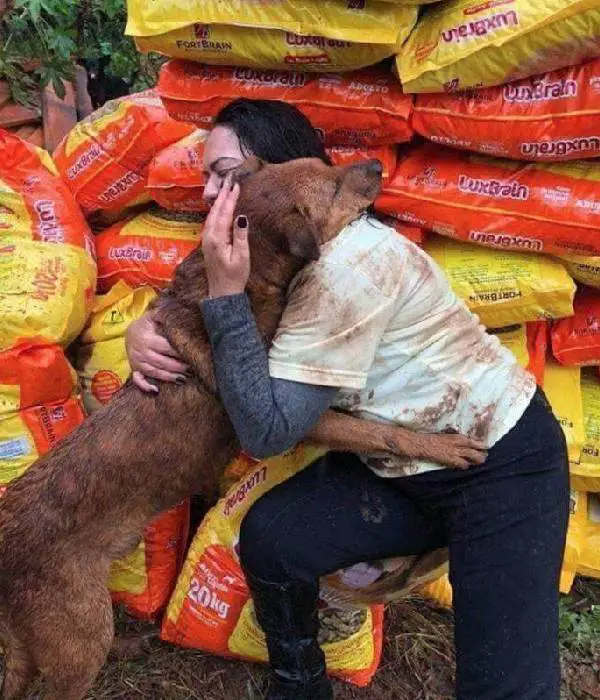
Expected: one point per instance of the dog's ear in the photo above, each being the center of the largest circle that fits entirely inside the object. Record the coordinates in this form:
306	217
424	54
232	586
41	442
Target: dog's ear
250	166
304	239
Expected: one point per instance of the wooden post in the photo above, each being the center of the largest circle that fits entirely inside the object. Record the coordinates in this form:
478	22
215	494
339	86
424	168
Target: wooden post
58	116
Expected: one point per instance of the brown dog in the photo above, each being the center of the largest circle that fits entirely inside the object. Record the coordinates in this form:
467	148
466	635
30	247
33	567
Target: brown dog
86	503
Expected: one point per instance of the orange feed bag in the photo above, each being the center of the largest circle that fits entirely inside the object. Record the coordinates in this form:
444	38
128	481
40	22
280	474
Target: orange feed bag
105	158
364	108
35	204
175	176
576	340
211	608
530	207
346	155
551	117
144	581
38	404
146	250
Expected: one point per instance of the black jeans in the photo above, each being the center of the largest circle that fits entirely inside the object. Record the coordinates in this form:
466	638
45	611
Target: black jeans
504	522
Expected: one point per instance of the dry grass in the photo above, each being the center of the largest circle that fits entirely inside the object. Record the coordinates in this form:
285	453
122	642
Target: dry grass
418	662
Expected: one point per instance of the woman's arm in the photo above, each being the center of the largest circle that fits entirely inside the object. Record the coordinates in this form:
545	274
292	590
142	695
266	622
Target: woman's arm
270	416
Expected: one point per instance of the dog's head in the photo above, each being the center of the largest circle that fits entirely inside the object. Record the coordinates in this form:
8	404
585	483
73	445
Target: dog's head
303	203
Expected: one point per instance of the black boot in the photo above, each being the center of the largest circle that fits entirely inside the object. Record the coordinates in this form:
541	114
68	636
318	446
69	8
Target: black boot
287	612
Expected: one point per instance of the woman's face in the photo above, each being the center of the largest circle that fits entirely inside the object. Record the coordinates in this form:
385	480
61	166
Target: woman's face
222	154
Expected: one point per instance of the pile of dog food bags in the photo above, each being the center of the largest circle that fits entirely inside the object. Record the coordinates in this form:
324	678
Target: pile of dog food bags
483	115
47	284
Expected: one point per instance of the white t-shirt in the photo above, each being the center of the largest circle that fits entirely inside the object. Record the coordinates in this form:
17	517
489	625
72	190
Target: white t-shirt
376	317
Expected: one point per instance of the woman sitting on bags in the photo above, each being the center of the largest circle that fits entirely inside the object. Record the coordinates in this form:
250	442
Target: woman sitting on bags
373	328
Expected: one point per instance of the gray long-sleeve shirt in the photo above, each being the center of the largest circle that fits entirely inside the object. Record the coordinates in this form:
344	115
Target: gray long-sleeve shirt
268	415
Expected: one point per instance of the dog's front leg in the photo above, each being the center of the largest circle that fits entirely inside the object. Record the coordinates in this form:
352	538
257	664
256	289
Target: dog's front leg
340	431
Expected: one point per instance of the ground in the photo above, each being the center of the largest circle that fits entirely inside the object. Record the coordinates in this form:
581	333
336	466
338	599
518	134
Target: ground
417	662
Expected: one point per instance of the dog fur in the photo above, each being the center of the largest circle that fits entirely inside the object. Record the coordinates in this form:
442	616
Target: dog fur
86	502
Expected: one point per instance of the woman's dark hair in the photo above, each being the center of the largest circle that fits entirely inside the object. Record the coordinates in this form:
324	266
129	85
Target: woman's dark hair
271	130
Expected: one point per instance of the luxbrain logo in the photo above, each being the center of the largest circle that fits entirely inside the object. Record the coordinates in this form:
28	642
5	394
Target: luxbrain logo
493	188
480	27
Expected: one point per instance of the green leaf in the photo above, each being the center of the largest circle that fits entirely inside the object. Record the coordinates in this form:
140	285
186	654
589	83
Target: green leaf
62	45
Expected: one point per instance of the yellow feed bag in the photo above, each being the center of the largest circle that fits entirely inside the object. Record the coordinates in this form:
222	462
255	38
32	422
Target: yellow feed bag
101	358
589	564
504	288
439	591
46	290
373	23
576	538
585	474
211	608
309	35
562	386
464	44
584	268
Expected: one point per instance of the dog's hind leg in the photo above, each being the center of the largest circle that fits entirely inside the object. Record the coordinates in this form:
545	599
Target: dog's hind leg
19	671
70	652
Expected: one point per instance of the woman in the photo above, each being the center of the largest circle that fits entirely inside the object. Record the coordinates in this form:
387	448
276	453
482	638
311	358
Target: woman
373	327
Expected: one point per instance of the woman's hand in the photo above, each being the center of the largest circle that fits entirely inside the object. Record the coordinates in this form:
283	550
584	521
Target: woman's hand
151	356
225	245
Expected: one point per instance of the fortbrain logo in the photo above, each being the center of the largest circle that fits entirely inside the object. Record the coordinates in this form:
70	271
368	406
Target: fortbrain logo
105	385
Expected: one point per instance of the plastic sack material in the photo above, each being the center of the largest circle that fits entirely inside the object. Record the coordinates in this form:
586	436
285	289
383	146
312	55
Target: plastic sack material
504	288
585	472
146	249
551	117
364	108
576	340
562	386
364	22
462	44
45	290
529	344
346	155
175	175
38	404
576	538
264	48
534	207
583	268
589	564
144	581
35	204
104	159
211	608
101	356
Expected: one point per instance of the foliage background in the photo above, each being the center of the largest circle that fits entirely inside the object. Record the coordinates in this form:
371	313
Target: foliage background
41	39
